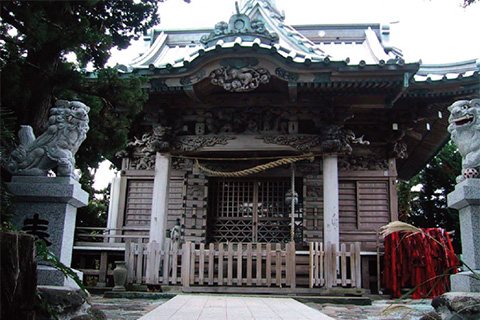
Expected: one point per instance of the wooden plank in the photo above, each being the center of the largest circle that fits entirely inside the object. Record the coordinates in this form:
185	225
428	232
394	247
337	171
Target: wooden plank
334	266
259	264
193	256
318	262
353	263
230	264
158	260
166	261
321	263
150	263
129	258
293	255
186	264
173	280
220	264
239	263
201	264
343	257
328	263
311	268
249	264
358	265
268	264
278	265
140	254
211	262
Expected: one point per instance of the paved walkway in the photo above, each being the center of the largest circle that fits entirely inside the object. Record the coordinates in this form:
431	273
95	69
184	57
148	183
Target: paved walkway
134	308
203	307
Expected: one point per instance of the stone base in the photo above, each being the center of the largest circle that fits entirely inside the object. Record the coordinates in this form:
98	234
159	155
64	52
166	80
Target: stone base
49	276
458	305
67	303
465	282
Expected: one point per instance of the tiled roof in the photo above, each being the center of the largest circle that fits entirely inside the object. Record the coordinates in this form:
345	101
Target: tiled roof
354	45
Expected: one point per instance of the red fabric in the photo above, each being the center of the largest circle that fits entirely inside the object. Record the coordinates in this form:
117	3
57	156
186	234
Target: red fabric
413	260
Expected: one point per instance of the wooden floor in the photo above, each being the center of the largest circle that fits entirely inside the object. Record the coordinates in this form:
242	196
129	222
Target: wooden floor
217	307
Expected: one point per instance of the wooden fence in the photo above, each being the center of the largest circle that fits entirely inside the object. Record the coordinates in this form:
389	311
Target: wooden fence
332	268
239	264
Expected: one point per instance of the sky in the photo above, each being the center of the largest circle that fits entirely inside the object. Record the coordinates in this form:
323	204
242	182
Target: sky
433	31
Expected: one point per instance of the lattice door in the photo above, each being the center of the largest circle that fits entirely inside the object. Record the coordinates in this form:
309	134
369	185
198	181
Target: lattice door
250	211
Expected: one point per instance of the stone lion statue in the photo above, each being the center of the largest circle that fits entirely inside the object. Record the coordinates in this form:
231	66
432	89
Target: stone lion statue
67	128
464	127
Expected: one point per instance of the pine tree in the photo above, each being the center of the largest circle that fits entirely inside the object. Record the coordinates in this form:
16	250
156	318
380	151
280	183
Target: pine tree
427	207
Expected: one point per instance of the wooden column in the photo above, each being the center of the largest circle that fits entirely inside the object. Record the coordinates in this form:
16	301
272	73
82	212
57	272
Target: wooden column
113	207
158	222
331	230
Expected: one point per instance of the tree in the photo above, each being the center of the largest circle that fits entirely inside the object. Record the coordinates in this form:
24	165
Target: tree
427	208
37	36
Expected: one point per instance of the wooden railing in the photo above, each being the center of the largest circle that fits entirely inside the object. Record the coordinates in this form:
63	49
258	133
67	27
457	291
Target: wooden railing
239	264
98	234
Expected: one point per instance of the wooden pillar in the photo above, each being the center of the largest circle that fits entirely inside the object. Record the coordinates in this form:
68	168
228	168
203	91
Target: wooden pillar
331	230
158	222
113	207
102	274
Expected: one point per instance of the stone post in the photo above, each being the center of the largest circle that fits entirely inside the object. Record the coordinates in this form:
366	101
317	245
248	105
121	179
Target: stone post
330	200
466	199
158	222
47	208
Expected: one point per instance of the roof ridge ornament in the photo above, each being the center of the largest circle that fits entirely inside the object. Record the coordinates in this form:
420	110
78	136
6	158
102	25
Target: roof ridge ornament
240	25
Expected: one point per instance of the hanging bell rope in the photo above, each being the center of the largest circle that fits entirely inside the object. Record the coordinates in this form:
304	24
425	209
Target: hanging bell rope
257	169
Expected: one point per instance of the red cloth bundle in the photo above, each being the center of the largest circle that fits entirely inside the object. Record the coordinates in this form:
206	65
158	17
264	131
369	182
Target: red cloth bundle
416	260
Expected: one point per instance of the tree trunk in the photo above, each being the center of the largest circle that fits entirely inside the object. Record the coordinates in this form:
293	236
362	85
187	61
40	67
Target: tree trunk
18	276
40	82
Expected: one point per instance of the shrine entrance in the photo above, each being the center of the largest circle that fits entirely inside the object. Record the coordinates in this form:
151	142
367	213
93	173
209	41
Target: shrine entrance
253	210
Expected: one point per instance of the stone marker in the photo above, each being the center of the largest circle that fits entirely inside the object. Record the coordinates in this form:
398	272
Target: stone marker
464	127
46	207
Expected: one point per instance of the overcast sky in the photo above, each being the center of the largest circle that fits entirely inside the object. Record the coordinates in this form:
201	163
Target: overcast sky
435	31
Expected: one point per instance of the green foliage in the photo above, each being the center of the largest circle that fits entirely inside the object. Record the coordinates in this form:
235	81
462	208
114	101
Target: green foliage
96	212
36	38
44	256
7	142
427	208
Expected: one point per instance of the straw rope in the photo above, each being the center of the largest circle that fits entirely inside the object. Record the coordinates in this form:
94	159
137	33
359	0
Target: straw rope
256	169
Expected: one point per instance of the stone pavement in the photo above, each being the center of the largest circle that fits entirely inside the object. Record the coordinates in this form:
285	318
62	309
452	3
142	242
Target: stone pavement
226	307
132	309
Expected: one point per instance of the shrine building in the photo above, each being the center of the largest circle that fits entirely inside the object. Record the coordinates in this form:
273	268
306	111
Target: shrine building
240	114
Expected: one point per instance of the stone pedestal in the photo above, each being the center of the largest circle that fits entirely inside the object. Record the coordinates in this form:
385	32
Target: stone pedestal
47	207
466	199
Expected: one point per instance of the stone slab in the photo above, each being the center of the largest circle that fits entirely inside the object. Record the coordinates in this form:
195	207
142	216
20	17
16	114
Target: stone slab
466	198
466	193
216	307
465	282
49	189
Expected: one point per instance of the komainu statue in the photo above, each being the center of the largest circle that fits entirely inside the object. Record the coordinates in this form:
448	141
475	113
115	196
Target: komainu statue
464	127
67	128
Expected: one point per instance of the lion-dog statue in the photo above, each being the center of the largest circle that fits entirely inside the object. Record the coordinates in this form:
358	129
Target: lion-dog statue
464	127
56	147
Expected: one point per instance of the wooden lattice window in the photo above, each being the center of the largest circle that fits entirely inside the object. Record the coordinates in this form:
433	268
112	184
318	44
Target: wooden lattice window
251	211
